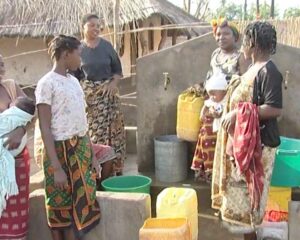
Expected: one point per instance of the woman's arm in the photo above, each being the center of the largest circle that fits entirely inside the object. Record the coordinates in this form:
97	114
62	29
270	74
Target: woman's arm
116	69
95	163
44	114
270	90
115	81
203	112
20	92
116	78
228	121
267	112
14	138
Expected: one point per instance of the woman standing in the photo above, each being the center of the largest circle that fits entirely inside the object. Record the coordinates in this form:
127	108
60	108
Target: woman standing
70	183
228	60
14	219
102	72
260	86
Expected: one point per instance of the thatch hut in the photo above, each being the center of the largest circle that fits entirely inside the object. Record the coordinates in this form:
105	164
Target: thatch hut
27	25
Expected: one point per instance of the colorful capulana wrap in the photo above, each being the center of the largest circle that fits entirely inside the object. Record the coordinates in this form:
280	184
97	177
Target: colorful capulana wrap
76	206
223	22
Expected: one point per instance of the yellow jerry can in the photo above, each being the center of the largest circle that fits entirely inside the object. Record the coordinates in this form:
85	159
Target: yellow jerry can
179	203
165	229
189	106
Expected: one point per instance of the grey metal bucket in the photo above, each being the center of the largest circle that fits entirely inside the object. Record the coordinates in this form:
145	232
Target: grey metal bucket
170	158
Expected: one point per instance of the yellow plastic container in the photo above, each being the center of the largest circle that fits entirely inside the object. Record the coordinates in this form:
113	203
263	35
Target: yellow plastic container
189	106
279	198
179	203
277	205
165	229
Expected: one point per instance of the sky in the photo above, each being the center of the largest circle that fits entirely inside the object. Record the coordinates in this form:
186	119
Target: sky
281	4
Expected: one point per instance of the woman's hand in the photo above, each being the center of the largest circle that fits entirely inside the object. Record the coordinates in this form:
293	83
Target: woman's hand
45	115
111	88
203	113
14	138
229	120
96	166
60	179
213	113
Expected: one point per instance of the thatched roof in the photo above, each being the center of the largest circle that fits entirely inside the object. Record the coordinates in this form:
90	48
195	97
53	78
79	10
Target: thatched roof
41	18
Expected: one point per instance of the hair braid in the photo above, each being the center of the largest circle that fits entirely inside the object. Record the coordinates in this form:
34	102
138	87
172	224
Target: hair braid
262	36
62	43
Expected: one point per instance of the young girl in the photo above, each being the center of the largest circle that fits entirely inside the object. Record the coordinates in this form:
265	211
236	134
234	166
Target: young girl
72	208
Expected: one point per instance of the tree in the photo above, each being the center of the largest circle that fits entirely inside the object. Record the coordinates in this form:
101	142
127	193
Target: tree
245	10
201	7
291	12
272	12
231	11
257	9
187	5
264	10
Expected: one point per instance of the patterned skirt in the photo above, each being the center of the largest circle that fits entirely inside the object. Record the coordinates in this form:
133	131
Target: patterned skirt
76	206
205	150
106	121
14	220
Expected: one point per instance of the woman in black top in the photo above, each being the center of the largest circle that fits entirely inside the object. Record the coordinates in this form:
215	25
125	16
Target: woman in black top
262	86
102	71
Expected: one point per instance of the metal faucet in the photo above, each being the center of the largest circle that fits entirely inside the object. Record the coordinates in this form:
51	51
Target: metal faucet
167	80
286	80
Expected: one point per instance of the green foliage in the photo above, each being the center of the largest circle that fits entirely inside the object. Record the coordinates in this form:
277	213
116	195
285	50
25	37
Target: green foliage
291	12
265	10
233	11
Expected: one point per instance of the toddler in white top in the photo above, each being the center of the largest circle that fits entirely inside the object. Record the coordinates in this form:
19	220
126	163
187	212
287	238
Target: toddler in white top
216	88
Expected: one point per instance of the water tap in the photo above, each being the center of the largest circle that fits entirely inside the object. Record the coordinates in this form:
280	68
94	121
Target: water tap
286	80
167	80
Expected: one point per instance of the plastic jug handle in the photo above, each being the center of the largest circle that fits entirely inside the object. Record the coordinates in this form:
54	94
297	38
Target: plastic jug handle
288	152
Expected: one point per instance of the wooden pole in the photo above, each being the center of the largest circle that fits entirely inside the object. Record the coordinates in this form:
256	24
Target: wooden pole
116	24
174	37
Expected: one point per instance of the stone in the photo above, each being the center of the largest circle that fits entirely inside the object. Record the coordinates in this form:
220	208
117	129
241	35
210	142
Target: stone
122	216
38	227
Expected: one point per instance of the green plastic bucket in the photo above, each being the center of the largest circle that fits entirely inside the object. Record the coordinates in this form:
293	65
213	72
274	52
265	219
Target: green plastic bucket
286	171
138	184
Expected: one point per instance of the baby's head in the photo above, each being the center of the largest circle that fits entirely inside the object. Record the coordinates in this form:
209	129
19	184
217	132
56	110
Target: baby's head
216	95
26	104
216	87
